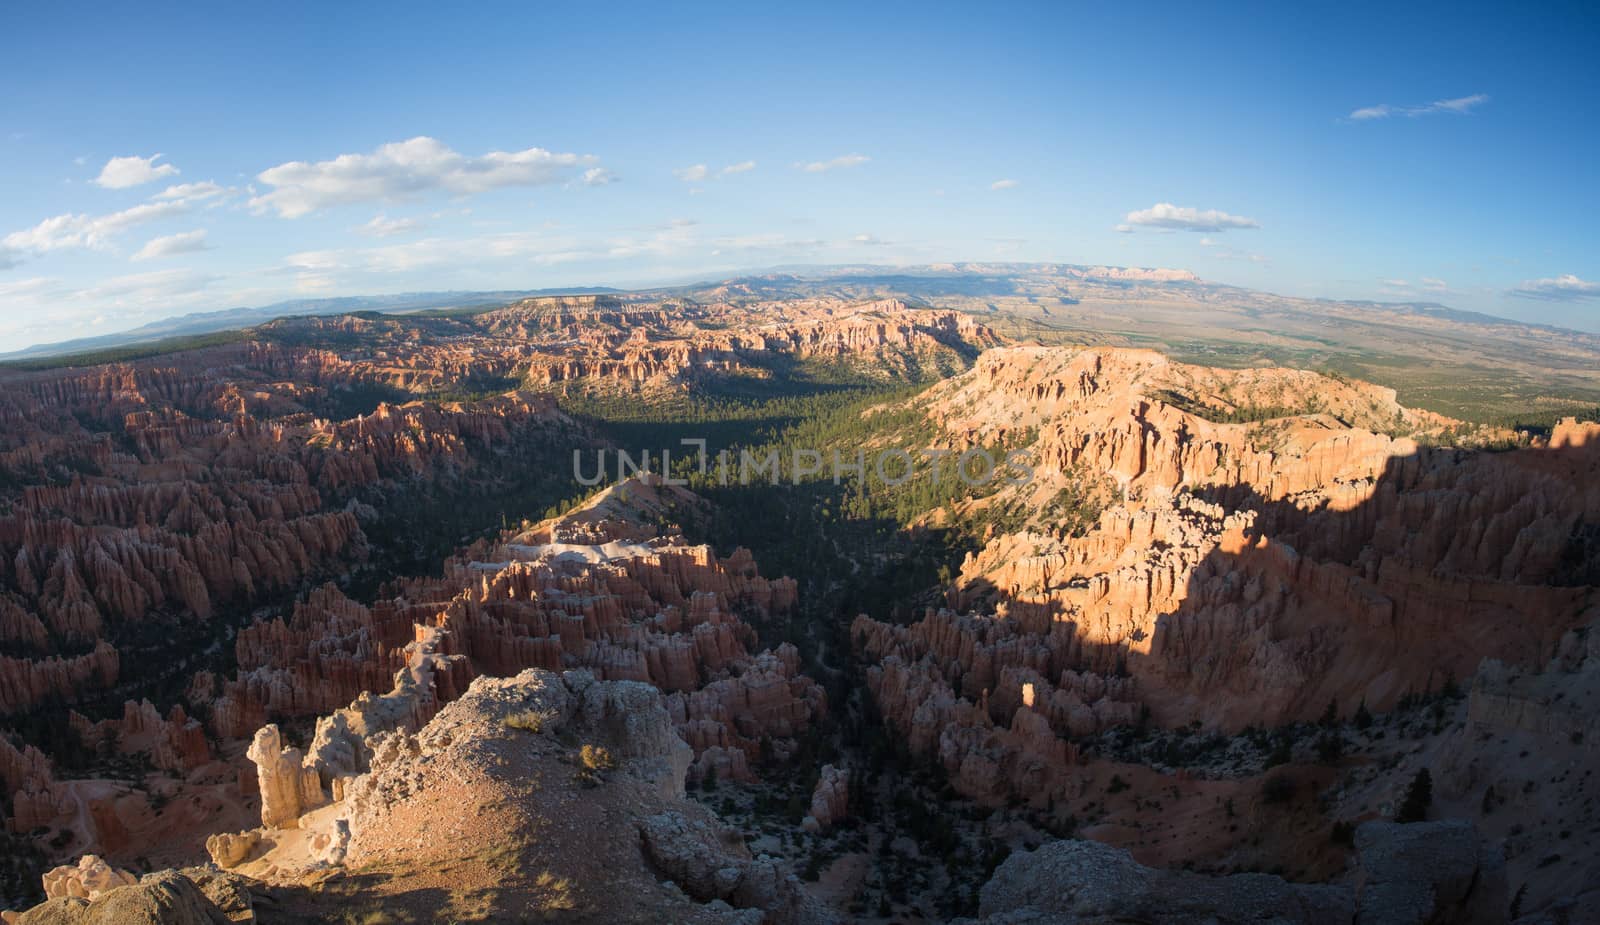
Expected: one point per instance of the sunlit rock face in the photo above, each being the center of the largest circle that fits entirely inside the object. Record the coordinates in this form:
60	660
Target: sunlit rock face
1236	574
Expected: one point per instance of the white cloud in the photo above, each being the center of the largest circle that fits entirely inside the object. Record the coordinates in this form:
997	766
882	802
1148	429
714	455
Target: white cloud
49	310
598	176
1183	218
123	172
25	288
192	192
382	226
1566	288
434	253
1460	105
67	232
44	309
403	169
698	173
1422	287
848	160
668	244
1381	111
1217	250
147	287
186	242
1002	184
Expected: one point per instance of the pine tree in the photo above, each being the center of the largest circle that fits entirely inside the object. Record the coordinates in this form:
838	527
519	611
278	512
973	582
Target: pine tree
1330	748
1419	796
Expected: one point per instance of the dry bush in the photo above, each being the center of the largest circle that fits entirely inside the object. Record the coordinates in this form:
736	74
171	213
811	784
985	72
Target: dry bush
530	720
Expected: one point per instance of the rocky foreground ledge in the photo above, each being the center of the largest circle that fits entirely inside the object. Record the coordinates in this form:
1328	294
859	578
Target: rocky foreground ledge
1418	873
546	795
561	797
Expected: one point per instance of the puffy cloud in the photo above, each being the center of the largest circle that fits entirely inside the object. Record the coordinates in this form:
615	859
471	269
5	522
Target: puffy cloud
1183	218
66	232
692	174
1002	184
741	167
123	172
173	244
848	160
598	176
382	226
1567	288
1460	105
406	168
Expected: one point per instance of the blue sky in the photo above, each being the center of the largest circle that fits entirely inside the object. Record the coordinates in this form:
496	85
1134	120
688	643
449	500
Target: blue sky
1443	154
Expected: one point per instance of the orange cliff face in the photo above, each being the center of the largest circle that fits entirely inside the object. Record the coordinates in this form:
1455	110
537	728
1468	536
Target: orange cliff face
1237	573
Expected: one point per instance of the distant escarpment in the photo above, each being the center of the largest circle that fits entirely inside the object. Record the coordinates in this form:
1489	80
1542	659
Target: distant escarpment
638	345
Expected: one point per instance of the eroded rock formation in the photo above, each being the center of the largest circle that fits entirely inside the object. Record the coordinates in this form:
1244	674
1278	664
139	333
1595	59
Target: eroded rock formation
596	588
830	800
87	879
1236	573
174	742
193	896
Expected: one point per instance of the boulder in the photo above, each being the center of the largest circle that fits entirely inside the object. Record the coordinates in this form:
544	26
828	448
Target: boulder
163	898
